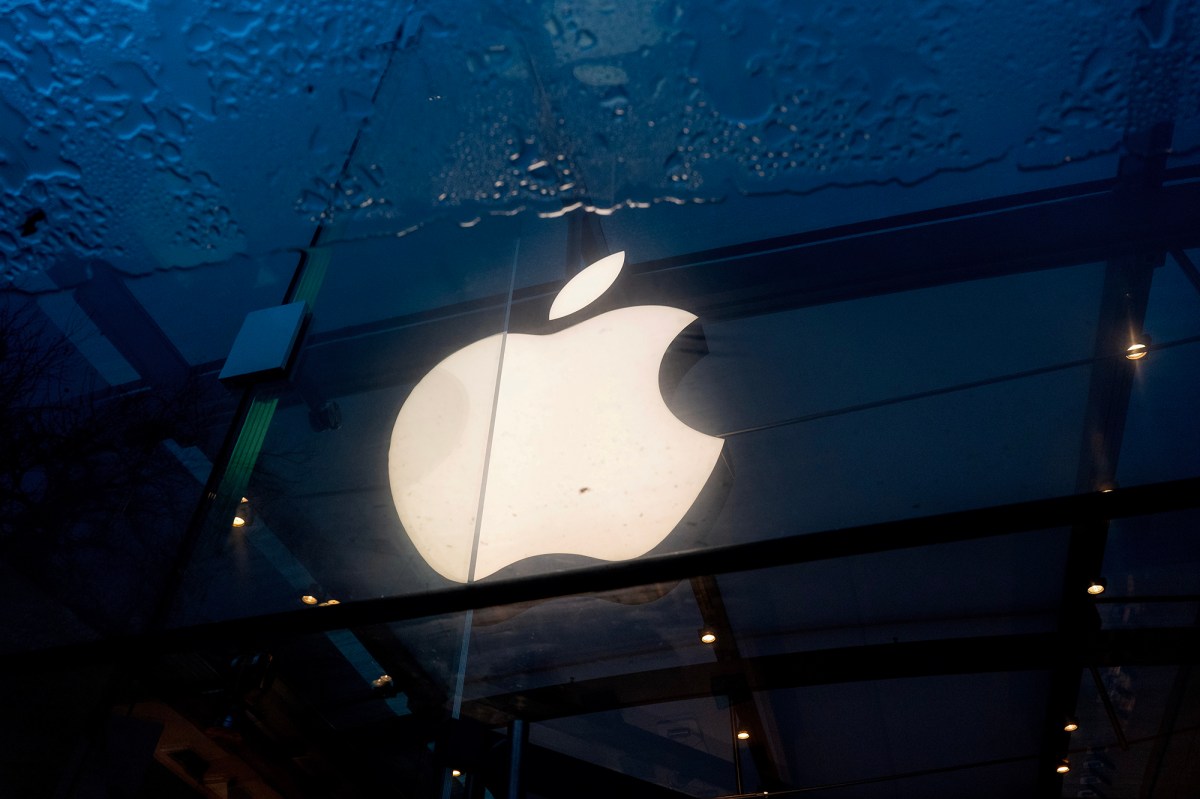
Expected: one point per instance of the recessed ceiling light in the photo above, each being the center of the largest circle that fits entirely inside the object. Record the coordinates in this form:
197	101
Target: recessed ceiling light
1063	766
708	636
309	599
238	521
1097	586
328	602
382	681
455	773
1139	348
743	735
1071	725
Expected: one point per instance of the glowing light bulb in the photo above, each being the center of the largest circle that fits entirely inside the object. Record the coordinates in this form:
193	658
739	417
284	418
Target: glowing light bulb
238	521
1135	351
1063	766
708	637
309	599
743	735
1071	725
1096	587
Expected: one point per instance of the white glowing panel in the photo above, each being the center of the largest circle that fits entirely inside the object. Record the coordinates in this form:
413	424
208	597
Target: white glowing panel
585	457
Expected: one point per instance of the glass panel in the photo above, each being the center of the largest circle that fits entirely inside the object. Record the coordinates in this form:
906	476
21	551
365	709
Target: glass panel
995	586
522	647
1152	572
1162	425
234	128
786	420
778	420
203	332
804	659
258	123
110	429
444	173
1145	707
324	513
167	136
680	120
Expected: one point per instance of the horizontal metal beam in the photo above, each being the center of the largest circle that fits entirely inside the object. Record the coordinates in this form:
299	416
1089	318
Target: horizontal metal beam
1030	652
553	774
913	251
923	250
260	631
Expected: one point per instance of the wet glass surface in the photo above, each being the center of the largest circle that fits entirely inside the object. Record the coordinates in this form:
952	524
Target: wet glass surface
865	349
170	135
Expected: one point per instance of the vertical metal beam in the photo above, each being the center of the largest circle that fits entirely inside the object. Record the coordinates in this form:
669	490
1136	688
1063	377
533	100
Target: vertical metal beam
716	618
737	750
1106	700
1166	728
518	745
1122	312
1188	268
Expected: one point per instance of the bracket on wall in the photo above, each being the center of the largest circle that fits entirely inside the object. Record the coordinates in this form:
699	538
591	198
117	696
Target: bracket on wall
266	344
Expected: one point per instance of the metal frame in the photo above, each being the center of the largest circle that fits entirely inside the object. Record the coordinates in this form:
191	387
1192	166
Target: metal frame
1095	222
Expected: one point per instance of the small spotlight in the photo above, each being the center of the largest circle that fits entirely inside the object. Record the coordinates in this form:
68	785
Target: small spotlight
244	515
1071	725
327	603
743	735
382	681
708	636
455	773
1063	766
1097	586
309	599
1138	349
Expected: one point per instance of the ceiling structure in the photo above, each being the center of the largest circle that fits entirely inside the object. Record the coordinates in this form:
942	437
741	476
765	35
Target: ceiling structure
919	239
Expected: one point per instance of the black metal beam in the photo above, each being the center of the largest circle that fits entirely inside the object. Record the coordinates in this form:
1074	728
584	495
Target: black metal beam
1158	752
913	251
1028	652
122	319
1122	310
553	774
712	609
1187	267
257	632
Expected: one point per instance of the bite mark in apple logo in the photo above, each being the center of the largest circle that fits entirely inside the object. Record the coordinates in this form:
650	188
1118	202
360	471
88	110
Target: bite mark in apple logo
581	455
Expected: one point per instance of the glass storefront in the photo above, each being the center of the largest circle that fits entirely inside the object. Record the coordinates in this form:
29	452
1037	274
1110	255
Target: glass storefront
685	400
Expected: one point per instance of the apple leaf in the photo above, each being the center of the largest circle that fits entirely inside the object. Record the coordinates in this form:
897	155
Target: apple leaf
589	284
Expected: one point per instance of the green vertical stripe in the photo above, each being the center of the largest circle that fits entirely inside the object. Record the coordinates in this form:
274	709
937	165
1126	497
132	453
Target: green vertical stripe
242	460
316	264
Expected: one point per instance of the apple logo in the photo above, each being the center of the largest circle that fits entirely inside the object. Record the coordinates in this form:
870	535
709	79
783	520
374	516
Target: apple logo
580	456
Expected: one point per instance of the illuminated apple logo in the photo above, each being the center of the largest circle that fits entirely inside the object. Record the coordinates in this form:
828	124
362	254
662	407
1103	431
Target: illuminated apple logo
581	455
